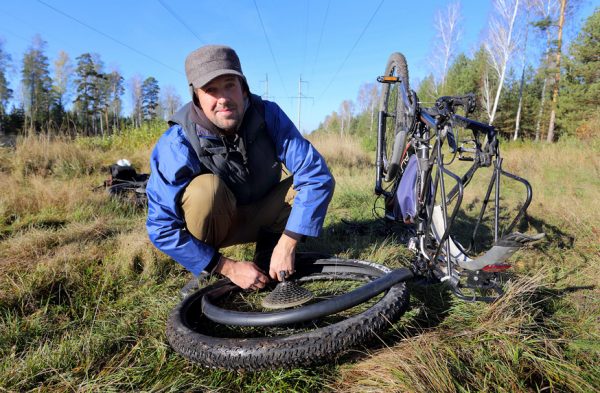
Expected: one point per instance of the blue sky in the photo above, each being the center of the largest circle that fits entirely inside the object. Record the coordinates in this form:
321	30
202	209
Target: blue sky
333	45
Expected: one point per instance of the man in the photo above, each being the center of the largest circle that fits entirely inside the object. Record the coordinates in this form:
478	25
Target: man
216	177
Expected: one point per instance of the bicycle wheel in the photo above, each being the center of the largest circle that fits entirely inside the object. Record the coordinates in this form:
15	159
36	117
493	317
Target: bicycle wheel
214	345
397	118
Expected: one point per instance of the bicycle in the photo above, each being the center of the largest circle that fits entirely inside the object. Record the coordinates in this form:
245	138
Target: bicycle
221	326
410	160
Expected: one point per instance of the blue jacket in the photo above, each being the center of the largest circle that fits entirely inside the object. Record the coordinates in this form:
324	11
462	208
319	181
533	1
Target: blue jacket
174	164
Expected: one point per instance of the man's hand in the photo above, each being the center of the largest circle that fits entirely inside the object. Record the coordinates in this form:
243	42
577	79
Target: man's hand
283	257
245	275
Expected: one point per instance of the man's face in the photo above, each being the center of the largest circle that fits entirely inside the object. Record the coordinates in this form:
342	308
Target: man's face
222	101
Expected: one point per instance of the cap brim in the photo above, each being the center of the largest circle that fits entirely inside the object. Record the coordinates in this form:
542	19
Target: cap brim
204	79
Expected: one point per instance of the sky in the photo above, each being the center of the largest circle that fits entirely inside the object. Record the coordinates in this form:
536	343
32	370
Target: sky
326	48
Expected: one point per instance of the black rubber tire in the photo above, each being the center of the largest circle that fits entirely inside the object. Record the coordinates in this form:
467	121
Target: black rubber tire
392	104
300	349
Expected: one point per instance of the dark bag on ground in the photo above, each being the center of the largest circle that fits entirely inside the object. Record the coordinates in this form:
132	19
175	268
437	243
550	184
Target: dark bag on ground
124	182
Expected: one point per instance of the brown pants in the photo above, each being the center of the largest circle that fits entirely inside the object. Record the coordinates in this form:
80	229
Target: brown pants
213	216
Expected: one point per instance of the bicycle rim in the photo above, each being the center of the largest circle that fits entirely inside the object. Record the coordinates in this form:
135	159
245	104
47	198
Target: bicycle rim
397	117
253	348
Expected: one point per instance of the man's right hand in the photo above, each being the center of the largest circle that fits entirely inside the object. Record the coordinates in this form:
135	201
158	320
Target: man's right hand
245	275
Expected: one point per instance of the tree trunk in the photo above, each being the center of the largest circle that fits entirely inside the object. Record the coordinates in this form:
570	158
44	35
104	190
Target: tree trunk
518	118
561	23
538	124
503	73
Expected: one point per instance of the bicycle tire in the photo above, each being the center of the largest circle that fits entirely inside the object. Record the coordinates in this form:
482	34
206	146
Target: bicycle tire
392	104
285	351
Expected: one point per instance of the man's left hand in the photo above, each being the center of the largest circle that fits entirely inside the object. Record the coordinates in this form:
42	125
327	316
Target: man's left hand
283	257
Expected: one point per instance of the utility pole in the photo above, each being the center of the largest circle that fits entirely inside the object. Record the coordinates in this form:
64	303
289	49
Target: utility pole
300	97
266	81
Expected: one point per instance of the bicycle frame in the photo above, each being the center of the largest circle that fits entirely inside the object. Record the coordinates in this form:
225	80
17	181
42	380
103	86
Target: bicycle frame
436	124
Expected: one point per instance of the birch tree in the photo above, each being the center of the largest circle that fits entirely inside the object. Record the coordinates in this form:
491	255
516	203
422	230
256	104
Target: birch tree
545	11
63	78
346	109
500	44
561	23
523	50
367	101
448	33
135	88
170	101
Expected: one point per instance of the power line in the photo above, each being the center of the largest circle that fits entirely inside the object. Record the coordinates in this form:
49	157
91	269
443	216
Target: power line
109	37
321	37
352	49
270	48
181	21
306	26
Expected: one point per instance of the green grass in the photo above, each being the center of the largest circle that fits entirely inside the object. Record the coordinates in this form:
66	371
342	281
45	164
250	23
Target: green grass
84	296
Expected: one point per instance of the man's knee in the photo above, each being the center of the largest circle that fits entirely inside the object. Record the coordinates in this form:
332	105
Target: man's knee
208	191
208	206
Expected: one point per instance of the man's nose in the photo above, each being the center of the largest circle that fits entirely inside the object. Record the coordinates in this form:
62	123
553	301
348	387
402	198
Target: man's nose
223	98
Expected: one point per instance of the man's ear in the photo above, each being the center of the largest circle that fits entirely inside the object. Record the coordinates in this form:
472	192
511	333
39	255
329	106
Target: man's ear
194	96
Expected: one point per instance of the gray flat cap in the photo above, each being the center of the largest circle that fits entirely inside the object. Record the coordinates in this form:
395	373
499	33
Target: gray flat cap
210	61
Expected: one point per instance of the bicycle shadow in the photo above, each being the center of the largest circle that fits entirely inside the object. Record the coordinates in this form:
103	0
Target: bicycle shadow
429	302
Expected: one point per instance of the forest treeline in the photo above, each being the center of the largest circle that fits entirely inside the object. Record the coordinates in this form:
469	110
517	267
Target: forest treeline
81	97
554	95
529	84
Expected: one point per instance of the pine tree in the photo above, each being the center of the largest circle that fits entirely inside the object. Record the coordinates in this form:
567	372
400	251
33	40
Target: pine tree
150	102
92	92
86	84
37	84
580	93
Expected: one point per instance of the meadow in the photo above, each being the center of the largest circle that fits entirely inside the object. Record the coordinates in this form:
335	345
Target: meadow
84	296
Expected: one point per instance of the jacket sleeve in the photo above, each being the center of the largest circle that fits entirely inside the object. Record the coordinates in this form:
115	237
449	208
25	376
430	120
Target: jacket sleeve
173	165
312	179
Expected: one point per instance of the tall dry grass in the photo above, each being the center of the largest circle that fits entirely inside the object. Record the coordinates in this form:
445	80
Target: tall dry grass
505	347
340	151
84	296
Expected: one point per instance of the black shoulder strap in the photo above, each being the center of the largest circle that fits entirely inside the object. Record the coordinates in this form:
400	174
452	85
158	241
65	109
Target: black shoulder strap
183	117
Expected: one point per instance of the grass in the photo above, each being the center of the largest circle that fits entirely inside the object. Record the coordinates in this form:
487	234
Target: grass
84	296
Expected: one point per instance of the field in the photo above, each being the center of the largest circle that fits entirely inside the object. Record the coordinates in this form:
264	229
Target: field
84	296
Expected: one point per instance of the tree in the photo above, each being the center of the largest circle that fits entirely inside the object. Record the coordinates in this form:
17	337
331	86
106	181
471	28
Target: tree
581	89
446	24
346	110
61	86
87	101
500	45
544	9
368	95
135	88
427	90
115	89
150	102
523	51
170	101
37	84
5	91
561	23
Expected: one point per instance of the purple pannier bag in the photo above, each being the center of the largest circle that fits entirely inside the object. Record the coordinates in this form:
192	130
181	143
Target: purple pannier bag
405	199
